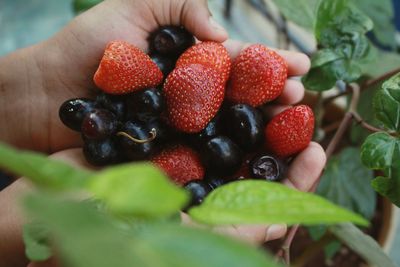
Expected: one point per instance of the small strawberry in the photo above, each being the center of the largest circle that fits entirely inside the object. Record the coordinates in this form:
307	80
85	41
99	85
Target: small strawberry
258	75
124	68
180	163
193	94
290	131
211	54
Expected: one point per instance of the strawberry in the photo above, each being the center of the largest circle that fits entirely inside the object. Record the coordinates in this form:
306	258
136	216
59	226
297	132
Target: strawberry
124	68
211	54
290	131
193	94
180	163
258	75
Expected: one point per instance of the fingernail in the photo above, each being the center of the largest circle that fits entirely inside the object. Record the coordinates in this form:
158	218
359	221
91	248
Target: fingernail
216	26
275	231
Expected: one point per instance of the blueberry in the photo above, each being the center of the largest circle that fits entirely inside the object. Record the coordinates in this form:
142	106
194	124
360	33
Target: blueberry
136	141
99	124
145	104
245	125
268	167
100	153
171	41
163	132
113	103
221	156
198	190
73	111
165	64
213	128
215	181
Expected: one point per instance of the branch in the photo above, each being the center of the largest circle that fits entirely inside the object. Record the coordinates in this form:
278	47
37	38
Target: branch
381	78
284	251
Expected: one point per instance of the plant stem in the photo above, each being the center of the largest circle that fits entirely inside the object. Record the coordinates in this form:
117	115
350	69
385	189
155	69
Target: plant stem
284	251
381	78
313	249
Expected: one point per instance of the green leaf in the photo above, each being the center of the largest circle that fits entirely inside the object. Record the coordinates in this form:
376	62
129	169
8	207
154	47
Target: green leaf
41	170
83	5
35	237
382	14
84	237
346	182
138	189
381	63
362	244
301	12
340	32
260	202
382	152
386	104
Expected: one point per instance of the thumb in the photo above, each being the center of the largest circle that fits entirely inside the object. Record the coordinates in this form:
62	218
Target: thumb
196	17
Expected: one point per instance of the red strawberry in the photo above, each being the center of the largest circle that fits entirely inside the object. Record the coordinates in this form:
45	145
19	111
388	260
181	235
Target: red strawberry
124	68
258	75
194	94
290	131
180	163
210	54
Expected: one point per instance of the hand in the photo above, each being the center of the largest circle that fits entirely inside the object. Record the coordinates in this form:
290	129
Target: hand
35	81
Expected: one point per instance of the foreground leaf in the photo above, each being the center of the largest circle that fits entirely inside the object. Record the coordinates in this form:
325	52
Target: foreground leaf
347	183
36	242
386	103
139	189
301	12
41	170
85	237
260	202
382	152
362	244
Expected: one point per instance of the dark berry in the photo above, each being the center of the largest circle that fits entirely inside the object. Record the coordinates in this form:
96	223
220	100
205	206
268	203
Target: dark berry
165	64
215	181
145	104
267	167
73	111
213	128
245	125
163	132
221	156
99	124
113	103
171	41
198	190
100	153
136	141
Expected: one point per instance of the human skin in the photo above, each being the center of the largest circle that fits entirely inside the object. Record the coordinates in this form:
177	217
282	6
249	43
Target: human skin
36	80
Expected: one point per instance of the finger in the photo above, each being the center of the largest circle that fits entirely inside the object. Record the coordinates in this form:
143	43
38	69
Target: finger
298	63
196	17
292	93
306	168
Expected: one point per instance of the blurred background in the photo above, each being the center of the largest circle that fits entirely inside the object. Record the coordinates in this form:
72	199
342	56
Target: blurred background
26	22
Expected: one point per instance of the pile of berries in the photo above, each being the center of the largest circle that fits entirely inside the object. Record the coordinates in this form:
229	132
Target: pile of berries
191	111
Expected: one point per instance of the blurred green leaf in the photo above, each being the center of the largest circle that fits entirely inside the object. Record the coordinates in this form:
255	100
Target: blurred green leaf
382	14
83	5
340	32
382	152
387	103
41	170
362	244
381	63
301	12
138	189
84	237
260	202
347	183
36	242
